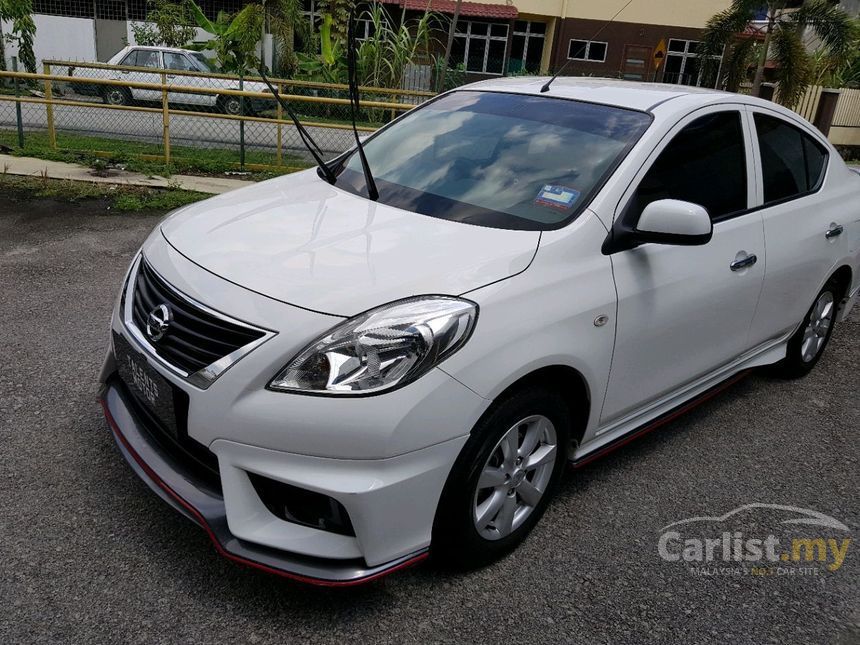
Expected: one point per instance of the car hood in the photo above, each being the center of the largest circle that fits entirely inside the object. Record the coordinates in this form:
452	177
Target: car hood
302	241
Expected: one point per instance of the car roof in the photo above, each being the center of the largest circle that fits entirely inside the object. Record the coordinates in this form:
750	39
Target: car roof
162	49
607	91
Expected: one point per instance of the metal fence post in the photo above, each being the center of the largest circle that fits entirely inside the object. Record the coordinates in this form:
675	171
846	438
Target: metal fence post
165	119
242	121
18	116
279	116
49	106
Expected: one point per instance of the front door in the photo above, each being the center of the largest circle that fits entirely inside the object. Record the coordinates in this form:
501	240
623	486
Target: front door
684	311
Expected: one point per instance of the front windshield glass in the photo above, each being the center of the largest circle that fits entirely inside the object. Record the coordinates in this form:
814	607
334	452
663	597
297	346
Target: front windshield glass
495	159
202	62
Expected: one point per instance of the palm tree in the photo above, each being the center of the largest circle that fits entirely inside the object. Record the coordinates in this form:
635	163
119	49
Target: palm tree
787	23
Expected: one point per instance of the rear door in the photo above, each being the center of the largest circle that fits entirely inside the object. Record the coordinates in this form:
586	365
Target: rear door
683	311
802	227
178	61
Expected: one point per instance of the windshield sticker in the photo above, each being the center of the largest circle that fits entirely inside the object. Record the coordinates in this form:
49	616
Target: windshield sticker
560	197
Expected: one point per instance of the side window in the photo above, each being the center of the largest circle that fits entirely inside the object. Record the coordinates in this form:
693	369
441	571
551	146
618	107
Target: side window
705	164
792	162
131	58
177	61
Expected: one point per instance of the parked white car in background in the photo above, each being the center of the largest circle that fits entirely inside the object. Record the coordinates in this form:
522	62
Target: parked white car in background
334	386
166	59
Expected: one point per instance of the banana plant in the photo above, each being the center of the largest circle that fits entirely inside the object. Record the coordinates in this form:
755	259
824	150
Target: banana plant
234	36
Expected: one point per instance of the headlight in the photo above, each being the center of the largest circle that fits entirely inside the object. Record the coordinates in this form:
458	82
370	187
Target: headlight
381	349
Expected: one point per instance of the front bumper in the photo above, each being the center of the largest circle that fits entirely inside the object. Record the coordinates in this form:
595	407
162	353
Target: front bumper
204	505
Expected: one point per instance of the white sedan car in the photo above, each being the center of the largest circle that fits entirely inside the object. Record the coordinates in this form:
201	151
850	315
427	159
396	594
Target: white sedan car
139	64
336	387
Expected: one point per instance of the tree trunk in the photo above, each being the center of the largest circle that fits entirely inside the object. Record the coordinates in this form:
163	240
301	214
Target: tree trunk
762	59
441	84
2	48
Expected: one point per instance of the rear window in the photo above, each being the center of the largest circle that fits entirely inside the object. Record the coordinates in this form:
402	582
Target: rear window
495	159
792	162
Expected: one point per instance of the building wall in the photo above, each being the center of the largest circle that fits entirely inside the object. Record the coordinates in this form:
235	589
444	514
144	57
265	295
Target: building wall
679	13
617	35
59	37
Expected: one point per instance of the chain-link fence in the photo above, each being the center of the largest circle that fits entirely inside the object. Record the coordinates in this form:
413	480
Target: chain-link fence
159	108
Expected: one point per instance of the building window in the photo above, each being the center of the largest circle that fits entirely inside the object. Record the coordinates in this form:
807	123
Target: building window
364	28
591	50
481	46
313	12
683	64
527	46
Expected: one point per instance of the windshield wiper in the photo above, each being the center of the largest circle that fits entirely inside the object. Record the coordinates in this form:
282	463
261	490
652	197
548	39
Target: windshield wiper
352	68
306	138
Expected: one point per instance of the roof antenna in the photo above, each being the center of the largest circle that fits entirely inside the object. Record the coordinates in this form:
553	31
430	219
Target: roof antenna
546	85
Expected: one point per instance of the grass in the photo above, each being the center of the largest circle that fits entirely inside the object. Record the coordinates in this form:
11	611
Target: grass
138	156
123	198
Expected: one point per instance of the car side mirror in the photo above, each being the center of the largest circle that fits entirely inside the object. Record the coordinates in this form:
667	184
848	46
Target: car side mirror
665	221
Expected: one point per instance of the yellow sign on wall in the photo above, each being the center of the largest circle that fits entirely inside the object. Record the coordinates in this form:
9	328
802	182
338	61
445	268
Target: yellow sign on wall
660	53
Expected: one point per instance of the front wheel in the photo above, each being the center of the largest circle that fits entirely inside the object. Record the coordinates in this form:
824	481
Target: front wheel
503	479
807	345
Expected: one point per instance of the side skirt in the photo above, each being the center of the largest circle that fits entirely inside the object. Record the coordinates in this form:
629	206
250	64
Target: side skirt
661	420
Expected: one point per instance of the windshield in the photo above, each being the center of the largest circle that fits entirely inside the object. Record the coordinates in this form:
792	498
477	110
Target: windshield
494	159
202	62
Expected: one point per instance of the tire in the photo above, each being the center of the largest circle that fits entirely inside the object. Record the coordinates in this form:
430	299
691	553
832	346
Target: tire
229	105
460	539
807	344
116	96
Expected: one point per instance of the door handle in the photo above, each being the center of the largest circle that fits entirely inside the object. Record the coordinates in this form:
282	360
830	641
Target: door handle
834	231
743	263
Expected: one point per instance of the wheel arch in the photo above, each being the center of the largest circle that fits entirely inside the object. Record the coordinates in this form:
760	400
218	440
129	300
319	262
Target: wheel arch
843	277
567	381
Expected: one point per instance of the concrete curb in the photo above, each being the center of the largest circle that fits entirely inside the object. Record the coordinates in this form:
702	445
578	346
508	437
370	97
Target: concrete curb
30	167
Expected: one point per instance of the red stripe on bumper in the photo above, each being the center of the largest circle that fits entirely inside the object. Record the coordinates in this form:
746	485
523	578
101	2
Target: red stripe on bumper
198	517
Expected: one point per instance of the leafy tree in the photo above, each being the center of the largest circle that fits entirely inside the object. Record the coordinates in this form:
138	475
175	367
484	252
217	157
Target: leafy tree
168	23
234	36
339	12
787	21
831	71
20	14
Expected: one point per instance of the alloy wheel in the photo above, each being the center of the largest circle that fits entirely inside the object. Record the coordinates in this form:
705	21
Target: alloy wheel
515	477
817	327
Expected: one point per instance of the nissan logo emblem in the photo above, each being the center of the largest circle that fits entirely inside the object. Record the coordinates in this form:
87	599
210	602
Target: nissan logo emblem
157	322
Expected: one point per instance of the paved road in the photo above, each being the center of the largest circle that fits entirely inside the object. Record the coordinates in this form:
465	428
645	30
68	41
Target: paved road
89	555
184	130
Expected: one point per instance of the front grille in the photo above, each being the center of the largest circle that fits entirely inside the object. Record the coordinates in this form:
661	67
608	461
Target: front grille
195	338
